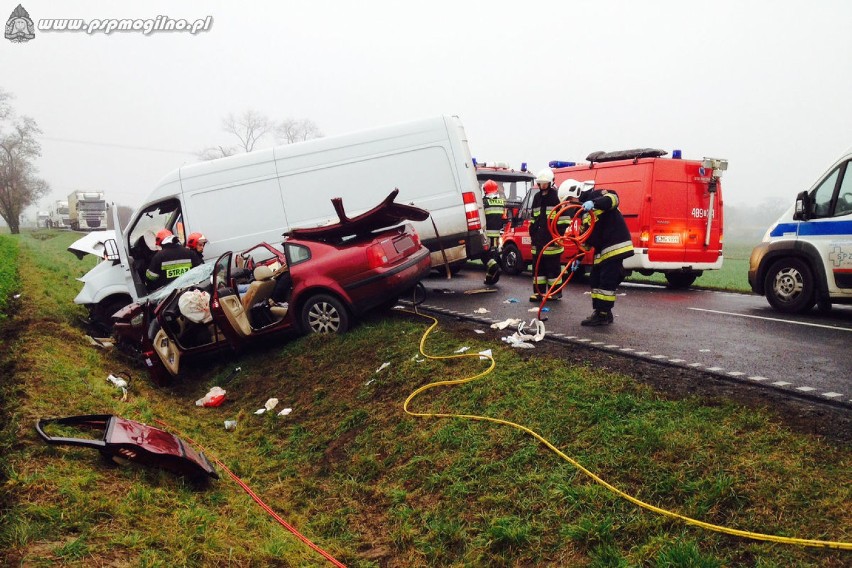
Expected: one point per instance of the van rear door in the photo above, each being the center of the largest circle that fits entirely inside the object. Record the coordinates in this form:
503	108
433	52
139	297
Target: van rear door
670	226
697	247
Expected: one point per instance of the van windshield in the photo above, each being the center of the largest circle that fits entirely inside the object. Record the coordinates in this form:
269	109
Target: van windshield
163	215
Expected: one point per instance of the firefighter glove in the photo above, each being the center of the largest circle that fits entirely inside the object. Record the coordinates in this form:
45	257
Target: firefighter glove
588	205
575	265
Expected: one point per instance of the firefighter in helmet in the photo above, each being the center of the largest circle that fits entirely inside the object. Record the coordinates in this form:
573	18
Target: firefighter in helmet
547	257
169	262
494	210
195	242
611	241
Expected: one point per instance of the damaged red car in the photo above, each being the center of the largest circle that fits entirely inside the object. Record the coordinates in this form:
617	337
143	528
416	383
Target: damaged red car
317	281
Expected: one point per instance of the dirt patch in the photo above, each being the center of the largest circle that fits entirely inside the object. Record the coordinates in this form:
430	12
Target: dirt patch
805	416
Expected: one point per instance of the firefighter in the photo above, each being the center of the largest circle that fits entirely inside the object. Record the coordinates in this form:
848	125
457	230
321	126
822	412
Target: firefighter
549	268
494	210
611	241
195	242
169	262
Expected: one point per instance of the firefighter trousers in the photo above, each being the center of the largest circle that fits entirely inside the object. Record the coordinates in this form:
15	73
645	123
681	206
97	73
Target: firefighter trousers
492	264
604	279
549	270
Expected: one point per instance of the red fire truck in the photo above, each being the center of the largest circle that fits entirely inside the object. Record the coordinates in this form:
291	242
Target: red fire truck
673	208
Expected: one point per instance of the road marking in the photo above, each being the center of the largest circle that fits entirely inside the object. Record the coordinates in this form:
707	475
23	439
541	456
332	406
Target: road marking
696	365
781	383
611	346
676	360
831	394
805	389
643	352
758	378
715	368
660	357
627	349
772	319
736	373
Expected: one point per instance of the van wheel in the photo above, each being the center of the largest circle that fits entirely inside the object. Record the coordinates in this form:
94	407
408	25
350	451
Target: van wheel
789	286
324	314
681	280
513	262
103	311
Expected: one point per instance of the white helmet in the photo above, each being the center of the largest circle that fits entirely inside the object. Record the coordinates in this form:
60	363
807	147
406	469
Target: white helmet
544	176
586	190
570	188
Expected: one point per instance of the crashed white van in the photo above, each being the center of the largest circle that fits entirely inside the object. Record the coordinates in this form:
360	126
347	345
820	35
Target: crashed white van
241	200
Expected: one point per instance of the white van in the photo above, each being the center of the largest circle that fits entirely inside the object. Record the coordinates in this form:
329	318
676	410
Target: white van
239	201
806	255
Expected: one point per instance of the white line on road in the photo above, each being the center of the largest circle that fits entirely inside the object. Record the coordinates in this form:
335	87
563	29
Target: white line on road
772	319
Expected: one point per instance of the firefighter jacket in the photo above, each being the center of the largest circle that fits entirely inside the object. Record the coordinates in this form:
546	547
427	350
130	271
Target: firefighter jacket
542	210
494	209
169	263
610	237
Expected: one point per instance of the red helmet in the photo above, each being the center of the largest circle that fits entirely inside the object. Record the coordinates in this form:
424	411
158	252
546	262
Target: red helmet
162	234
195	239
490	187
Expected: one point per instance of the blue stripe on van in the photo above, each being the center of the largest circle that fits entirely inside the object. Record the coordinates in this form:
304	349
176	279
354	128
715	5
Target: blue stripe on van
814	228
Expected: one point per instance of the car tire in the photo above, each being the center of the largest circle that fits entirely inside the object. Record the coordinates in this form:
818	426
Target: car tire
324	314
680	280
513	262
790	286
103	311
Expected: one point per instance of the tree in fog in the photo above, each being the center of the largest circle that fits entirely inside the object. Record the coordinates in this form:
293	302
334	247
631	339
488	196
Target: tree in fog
20	185
292	130
250	127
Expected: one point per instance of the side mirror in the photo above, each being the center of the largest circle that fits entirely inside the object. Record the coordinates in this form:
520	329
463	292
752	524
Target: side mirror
111	251
803	209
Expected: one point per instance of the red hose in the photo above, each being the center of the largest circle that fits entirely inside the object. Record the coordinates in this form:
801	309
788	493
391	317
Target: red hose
258	500
574	235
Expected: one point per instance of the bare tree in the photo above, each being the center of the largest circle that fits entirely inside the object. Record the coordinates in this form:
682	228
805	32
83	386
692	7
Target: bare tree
248	128
214	152
292	130
20	185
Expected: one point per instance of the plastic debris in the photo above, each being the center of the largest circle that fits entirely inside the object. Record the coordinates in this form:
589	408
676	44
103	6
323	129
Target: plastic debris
486	354
461	349
230	425
384	366
479	331
214	397
260	411
505	323
480	291
511	301
515	341
101	342
271	403
285	412
117	381
370	382
480	311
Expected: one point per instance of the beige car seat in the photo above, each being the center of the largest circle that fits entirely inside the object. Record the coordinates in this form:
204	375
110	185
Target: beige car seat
260	289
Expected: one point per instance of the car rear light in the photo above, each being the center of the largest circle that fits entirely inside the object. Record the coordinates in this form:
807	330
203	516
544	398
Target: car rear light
471	211
645	236
416	238
376	256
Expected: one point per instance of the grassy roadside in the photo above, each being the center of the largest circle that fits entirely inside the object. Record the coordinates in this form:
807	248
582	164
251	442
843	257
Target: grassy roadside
376	487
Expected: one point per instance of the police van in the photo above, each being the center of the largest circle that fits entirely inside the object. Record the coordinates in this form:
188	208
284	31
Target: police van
805	257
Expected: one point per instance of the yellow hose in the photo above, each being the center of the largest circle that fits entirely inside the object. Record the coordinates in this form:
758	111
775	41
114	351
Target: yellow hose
557	451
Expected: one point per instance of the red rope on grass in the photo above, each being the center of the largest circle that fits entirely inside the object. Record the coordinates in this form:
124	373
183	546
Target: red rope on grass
259	501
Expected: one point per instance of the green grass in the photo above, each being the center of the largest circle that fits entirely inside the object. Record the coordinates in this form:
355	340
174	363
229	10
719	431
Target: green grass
732	276
376	487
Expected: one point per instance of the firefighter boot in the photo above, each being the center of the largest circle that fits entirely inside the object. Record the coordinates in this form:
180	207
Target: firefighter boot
597	319
492	275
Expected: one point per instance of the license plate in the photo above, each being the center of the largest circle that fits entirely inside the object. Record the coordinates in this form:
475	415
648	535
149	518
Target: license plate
403	244
667	239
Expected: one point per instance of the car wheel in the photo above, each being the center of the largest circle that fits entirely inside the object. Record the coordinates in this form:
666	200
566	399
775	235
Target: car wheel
789	286
513	262
680	280
324	314
103	311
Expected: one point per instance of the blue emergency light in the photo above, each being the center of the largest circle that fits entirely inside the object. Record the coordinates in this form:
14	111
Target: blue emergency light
676	154
523	166
560	164
474	162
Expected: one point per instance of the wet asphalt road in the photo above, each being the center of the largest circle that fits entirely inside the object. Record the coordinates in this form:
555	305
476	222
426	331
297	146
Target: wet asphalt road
736	335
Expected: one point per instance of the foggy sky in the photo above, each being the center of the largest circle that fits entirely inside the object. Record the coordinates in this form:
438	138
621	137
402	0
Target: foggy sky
765	84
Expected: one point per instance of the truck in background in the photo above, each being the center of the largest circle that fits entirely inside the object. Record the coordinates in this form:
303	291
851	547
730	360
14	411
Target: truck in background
242	200
87	211
58	218
805	257
43	220
673	208
513	184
